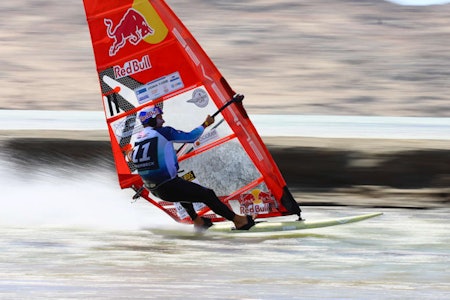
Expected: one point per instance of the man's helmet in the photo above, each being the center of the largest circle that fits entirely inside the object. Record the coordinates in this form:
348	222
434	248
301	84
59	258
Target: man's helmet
149	113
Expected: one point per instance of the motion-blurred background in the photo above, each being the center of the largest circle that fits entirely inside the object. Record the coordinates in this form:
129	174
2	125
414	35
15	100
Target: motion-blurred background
339	57
321	57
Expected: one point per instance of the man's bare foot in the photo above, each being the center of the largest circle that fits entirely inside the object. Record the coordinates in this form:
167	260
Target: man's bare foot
201	223
243	222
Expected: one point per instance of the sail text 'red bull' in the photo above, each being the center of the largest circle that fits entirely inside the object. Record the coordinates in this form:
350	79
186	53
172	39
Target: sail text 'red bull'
255	209
132	67
132	27
256	202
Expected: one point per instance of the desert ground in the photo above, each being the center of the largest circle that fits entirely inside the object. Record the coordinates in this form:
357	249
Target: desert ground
339	57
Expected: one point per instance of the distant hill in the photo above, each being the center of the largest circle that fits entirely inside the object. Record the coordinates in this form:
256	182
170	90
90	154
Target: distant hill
347	57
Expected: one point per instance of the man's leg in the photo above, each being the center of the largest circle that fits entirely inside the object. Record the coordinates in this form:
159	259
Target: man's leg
189	207
180	190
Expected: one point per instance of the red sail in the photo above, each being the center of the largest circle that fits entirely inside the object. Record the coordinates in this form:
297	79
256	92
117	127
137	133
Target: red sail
145	56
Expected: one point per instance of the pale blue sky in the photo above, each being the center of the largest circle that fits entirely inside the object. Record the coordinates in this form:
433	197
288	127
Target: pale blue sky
420	2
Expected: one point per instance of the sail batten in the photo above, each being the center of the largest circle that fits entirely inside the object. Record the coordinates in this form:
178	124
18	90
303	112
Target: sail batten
145	56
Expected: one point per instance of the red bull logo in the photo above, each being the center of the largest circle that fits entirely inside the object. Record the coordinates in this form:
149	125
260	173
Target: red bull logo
256	202
133	28
132	67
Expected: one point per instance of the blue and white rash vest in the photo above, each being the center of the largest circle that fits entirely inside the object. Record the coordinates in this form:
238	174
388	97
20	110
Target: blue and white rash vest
154	156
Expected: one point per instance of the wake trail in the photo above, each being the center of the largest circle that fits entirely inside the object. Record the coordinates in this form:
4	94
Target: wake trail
86	201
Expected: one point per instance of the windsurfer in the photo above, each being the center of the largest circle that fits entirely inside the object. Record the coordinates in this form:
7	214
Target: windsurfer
155	159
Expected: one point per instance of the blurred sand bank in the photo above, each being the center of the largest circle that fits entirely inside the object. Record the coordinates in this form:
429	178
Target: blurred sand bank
357	172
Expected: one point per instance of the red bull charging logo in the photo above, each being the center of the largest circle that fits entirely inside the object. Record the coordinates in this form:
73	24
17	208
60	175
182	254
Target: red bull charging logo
256	202
133	28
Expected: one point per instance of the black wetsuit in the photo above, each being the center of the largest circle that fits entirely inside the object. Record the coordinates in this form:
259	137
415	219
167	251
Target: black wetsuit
187	192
